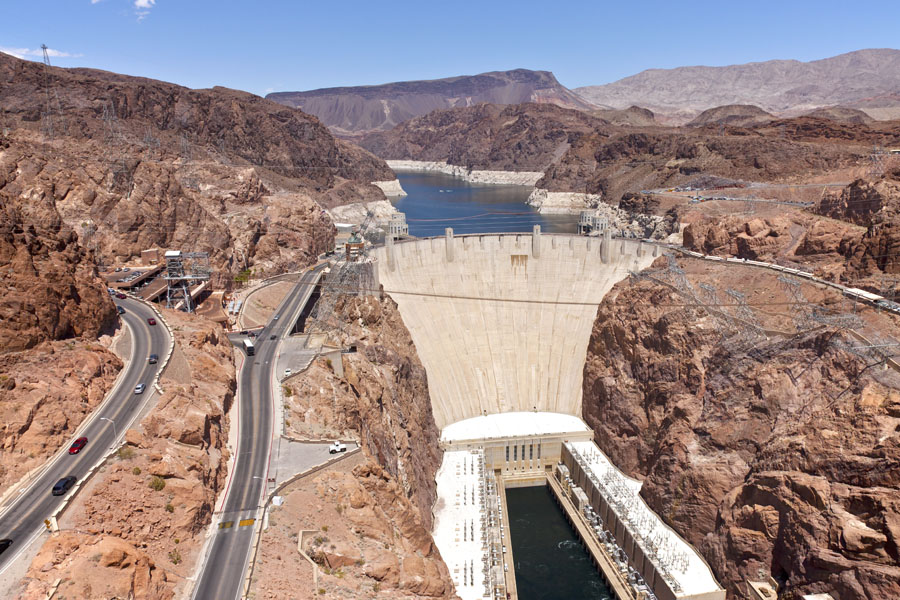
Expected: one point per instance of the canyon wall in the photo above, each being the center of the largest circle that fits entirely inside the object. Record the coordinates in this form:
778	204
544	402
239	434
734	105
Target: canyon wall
779	460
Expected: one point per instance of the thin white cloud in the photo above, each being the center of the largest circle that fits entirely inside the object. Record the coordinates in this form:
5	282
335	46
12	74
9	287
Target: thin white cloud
37	53
142	8
94	1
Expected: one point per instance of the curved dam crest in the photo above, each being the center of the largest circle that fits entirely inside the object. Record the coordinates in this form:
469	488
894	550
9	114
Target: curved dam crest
517	339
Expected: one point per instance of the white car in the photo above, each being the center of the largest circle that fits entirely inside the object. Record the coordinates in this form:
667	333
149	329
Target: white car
336	447
287	372
139	388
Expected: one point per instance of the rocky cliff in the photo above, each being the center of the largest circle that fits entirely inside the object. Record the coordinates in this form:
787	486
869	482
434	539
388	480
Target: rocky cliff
379	395
354	110
382	397
523	137
779	460
139	523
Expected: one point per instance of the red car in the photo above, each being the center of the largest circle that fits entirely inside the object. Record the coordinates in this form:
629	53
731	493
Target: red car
151	321
77	445
121	296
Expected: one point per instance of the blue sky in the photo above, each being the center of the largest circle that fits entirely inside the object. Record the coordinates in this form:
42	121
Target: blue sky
298	45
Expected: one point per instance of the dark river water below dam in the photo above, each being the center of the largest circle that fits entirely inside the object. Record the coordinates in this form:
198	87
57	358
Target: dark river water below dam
550	562
437	201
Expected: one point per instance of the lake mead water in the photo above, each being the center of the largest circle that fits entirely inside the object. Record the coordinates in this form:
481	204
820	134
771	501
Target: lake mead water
436	201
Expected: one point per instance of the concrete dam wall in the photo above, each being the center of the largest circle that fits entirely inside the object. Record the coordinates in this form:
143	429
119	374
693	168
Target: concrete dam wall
502	321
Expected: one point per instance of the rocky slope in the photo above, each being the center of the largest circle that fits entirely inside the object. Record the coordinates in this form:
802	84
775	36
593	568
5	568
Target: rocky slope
851	79
143	163
522	137
737	115
379	395
588	155
382	397
53	309
139	524
354	110
781	460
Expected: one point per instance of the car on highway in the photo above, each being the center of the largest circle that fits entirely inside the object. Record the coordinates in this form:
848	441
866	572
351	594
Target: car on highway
139	388
336	447
64	485
287	372
121	296
120	310
4	544
154	358
78	445
273	336
151	321
244	332
275	318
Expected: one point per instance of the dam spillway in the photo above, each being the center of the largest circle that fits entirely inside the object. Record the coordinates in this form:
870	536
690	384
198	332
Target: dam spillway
501	322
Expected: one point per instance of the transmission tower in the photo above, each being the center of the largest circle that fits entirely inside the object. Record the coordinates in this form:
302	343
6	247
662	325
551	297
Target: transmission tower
52	98
876	169
745	317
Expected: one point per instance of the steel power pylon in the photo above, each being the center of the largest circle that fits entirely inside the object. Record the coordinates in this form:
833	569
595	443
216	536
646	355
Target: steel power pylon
52	97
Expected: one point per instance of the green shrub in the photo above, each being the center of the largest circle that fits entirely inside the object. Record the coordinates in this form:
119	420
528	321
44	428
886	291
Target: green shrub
136	471
175	556
126	452
157	483
170	508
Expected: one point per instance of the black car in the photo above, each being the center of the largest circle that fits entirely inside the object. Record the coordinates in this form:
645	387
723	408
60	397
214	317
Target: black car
272	337
4	544
153	359
64	485
120	310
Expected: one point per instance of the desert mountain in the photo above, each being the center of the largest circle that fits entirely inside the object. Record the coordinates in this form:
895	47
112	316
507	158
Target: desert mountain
867	79
349	110
134	163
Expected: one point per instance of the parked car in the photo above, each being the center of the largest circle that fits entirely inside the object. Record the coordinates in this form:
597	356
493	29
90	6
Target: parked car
64	485
77	445
139	388
151	321
120	310
287	372
4	544
336	447
244	332
121	296
153	359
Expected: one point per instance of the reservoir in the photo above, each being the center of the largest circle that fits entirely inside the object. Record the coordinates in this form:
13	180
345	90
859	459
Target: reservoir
436	201
550	562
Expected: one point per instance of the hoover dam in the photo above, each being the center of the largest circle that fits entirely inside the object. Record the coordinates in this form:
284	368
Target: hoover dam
501	323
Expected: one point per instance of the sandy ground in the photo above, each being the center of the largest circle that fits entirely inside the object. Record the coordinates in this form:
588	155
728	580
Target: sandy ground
261	304
281	572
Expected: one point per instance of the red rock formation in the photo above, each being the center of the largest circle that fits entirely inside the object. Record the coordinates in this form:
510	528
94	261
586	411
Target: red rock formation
785	459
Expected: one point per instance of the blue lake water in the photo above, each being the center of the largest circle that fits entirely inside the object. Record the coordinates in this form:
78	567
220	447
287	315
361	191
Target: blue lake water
436	201
551	564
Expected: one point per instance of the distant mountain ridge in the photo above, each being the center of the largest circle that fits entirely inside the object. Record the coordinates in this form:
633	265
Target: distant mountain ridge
353	110
864	79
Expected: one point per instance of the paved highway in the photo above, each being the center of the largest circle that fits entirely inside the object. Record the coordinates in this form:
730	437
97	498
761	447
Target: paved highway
24	513
223	573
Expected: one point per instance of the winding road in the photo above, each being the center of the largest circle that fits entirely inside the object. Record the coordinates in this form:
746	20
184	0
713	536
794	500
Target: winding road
223	572
23	515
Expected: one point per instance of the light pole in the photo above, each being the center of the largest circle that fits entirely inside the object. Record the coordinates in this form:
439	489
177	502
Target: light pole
115	433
